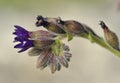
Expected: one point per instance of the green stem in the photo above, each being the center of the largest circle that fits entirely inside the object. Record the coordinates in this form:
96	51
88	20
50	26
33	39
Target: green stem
102	43
95	39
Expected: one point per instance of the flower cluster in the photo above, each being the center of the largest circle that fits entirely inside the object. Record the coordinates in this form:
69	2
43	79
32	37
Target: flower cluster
50	50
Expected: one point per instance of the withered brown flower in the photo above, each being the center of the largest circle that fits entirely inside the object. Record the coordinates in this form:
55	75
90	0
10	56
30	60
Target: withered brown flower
46	57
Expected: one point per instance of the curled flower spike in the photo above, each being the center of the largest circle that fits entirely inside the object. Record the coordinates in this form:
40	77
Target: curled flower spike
22	36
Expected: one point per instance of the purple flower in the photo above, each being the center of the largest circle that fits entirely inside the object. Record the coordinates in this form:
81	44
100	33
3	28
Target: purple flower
50	51
22	36
39	39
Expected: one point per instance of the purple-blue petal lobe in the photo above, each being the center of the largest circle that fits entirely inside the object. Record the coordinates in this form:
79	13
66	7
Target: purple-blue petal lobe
22	36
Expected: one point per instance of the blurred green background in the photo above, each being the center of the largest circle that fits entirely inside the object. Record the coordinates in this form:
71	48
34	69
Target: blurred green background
90	63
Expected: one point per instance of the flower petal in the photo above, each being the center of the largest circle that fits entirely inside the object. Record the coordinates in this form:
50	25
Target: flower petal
67	56
34	52
27	43
46	60
40	60
19	31
43	42
22	36
20	39
53	64
41	33
19	28
65	47
63	61
23	49
58	66
20	45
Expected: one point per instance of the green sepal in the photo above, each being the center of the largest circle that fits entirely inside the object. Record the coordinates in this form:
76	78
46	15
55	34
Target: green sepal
57	48
69	36
90	36
58	42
